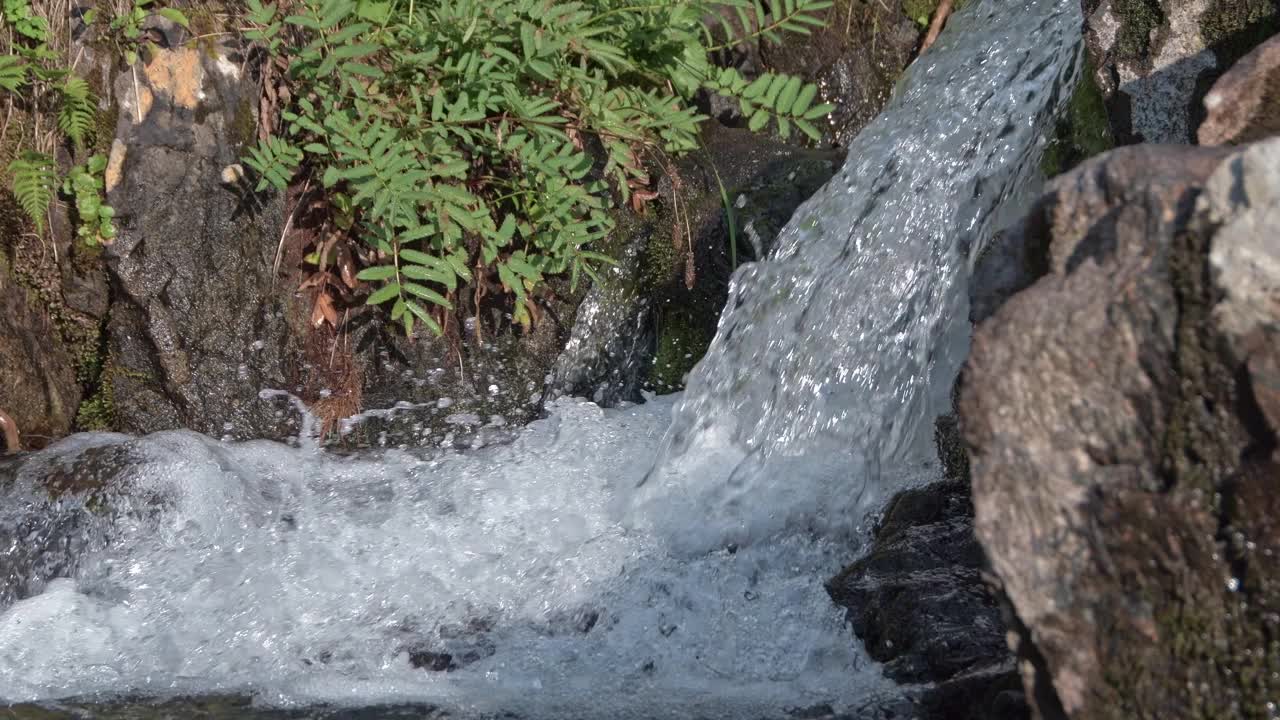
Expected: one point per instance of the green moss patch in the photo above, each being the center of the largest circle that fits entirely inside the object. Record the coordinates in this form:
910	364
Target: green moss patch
682	341
1082	132
1138	19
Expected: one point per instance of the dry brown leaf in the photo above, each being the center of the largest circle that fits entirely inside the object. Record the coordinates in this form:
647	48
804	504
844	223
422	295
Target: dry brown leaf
318	279
347	267
323	311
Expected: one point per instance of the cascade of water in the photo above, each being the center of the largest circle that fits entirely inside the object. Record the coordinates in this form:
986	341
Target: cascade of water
301	577
835	355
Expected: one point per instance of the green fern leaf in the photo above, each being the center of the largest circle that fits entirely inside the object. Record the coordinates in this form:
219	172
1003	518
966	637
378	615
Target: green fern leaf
78	109
13	72
35	179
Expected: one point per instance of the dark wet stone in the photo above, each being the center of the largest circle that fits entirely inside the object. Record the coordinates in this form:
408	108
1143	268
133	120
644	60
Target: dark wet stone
918	601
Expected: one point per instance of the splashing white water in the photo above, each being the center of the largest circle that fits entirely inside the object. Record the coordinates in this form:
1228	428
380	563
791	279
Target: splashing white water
312	578
551	577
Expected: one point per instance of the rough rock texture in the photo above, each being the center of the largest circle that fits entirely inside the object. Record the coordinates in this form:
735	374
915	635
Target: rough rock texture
1123	474
1244	104
39	390
53	301
198	326
1154	59
918	601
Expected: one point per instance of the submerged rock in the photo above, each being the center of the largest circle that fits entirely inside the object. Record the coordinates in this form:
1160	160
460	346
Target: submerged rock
1123	467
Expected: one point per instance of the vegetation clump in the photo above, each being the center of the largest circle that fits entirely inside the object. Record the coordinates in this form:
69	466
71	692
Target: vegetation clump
484	143
37	79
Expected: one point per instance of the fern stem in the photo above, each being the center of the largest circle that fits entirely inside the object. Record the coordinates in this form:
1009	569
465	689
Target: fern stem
780	22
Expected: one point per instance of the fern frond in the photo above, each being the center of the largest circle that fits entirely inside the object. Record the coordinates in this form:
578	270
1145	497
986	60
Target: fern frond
35	179
13	72
77	109
792	16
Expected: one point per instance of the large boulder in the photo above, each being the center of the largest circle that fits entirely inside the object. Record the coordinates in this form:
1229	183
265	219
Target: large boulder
215	305
1244	104
198	325
1119	416
1155	59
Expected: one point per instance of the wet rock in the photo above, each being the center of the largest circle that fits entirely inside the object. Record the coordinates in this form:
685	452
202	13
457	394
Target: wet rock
1244	104
199	326
1121	455
1154	60
918	601
53	513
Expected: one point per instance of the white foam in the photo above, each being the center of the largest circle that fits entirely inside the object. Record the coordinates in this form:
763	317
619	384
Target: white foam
308	578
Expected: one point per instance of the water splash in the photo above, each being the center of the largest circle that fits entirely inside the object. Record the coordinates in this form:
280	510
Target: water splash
835	355
308	578
543	576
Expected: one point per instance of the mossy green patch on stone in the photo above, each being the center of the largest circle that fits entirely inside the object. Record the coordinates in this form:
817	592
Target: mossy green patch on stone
97	413
1083	131
682	341
1138	19
1234	27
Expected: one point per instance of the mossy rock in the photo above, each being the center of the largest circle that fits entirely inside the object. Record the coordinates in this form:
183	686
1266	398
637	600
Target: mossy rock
1083	131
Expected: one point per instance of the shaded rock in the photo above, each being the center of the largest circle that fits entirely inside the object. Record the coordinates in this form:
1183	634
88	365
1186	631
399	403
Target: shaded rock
1244	104
1115	435
1082	131
1155	59
655	314
39	390
919	603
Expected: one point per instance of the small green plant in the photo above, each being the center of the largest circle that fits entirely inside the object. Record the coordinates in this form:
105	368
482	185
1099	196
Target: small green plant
19	15
84	184
125	27
484	142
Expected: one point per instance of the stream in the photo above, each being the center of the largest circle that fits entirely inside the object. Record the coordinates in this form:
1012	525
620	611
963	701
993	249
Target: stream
657	560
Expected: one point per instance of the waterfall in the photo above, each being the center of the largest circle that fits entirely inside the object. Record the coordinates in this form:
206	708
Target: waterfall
835	355
665	559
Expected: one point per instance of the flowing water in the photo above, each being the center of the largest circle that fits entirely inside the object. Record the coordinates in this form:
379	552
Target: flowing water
657	560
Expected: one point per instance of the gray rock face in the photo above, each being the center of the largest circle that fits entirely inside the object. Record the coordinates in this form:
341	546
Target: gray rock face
198	326
1154	59
1121	458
